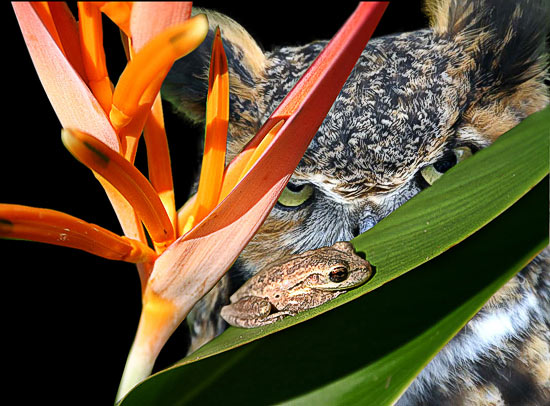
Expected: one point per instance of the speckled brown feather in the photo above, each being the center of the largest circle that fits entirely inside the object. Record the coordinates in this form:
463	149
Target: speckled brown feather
475	73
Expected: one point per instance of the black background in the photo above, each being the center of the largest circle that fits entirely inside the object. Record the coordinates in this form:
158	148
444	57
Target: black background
69	317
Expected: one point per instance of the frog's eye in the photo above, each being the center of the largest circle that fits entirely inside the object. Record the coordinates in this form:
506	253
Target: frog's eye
433	172
338	274
294	196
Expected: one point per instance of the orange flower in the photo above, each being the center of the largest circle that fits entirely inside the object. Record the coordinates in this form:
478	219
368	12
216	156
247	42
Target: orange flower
102	125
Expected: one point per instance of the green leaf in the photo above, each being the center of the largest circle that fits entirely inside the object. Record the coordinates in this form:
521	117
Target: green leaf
370	349
374	346
465	199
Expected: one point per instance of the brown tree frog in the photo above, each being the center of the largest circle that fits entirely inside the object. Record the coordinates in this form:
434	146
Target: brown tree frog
295	284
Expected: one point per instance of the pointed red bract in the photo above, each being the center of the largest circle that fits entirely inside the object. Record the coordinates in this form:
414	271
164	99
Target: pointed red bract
74	104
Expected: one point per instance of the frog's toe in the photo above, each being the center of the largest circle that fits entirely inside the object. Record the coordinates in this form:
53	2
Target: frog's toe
246	311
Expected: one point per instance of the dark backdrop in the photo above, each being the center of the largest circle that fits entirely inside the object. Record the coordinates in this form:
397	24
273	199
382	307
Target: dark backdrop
69	317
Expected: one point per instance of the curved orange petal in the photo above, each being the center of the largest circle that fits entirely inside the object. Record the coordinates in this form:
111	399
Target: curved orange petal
119	12
126	179
93	55
72	100
67	28
54	227
158	158
151	64
217	122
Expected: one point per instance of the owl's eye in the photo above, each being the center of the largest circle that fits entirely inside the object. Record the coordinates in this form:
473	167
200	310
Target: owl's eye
433	172
338	274
295	195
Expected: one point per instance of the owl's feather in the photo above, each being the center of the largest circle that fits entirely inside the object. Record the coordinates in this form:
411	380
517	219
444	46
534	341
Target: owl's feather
476	72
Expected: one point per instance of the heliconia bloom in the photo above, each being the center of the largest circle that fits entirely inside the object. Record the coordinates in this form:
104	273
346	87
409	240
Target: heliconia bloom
103	122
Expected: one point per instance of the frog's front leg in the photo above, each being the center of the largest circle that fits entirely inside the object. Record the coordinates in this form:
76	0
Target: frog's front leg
251	311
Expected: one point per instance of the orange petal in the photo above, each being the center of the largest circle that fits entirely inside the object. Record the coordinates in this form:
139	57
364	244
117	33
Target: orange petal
191	266
130	134
217	120
53	227
152	64
127	217
72	101
158	159
126	179
149	19
129	221
67	28
70	97
91	42
119	12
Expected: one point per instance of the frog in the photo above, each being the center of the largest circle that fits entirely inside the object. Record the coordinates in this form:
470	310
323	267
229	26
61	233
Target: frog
295	284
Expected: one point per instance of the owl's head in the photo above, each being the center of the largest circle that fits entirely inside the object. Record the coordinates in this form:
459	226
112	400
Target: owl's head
415	104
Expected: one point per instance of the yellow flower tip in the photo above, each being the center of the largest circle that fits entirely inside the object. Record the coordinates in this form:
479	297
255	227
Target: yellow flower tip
199	29
118	118
188	224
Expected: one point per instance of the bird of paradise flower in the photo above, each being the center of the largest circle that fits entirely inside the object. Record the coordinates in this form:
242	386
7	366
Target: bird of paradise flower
102	125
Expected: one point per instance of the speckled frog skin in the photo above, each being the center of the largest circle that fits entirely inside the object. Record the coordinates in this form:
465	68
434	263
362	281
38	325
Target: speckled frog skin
298	283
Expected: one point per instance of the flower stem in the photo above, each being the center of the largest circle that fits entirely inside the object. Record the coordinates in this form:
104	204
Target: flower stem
157	323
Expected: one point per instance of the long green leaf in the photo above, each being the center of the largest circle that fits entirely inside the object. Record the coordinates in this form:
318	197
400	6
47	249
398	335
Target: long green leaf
368	351
460	203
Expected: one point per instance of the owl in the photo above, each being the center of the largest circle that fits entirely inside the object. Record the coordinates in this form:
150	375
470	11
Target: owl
415	104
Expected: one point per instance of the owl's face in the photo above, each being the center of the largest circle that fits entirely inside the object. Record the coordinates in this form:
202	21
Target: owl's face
394	117
414	105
